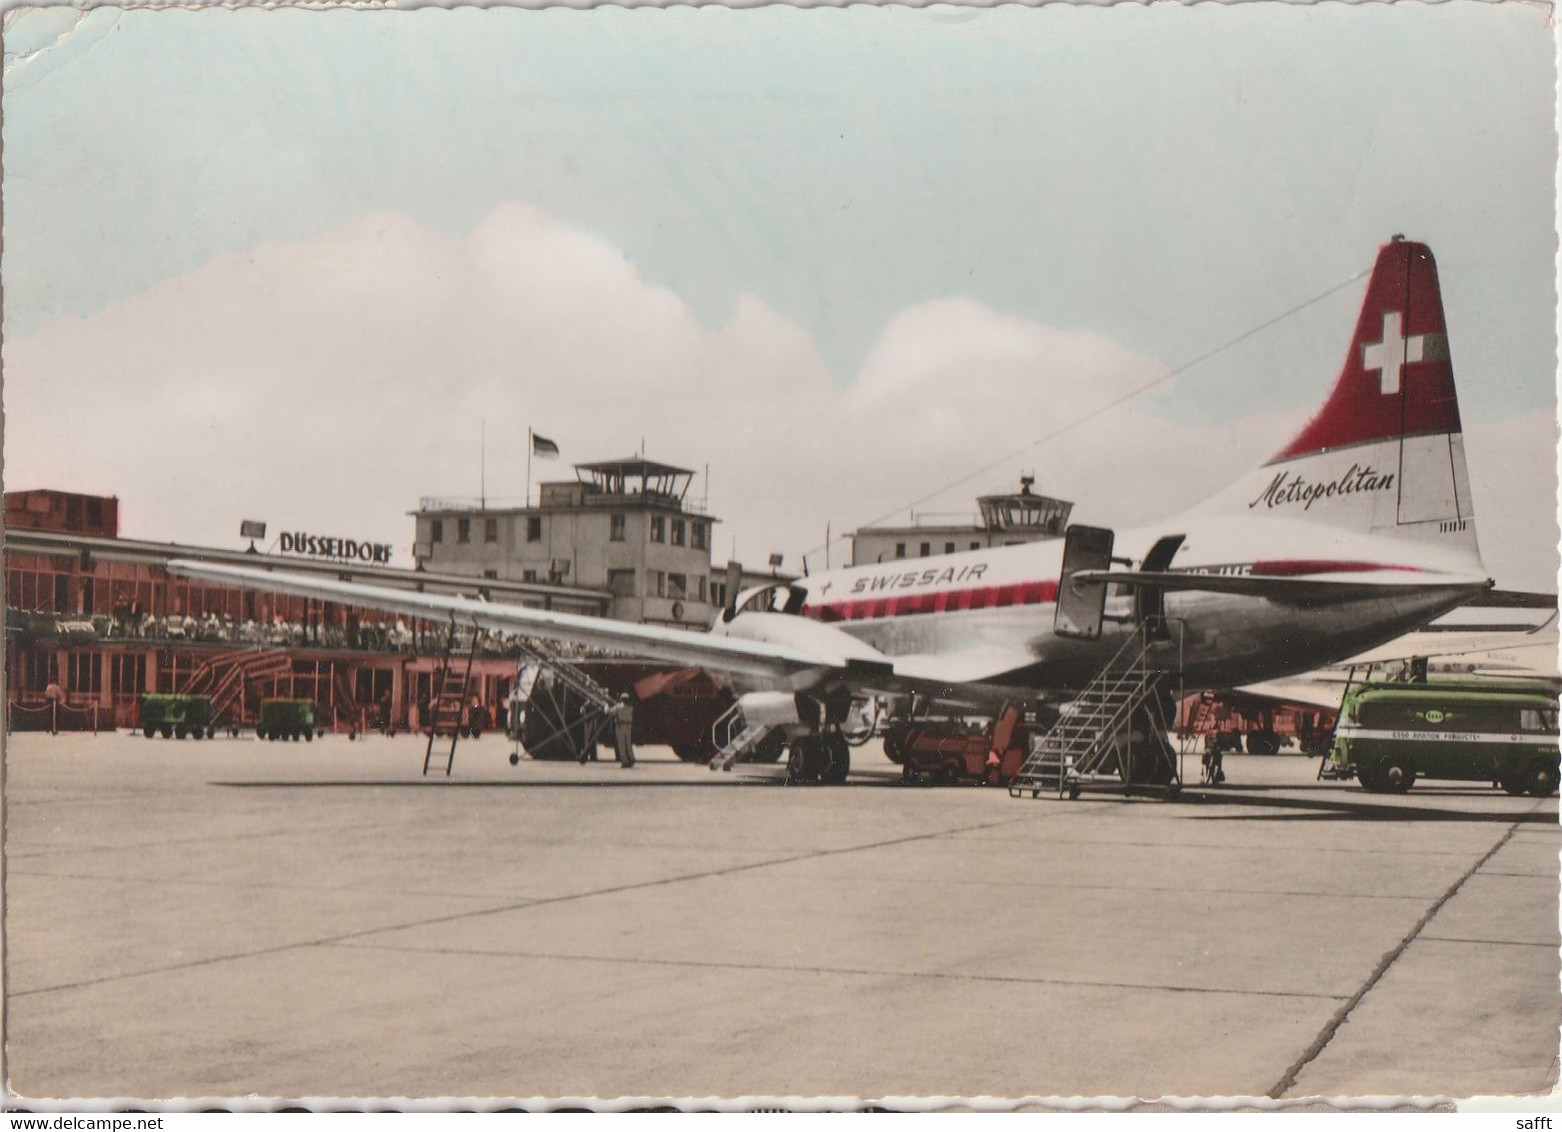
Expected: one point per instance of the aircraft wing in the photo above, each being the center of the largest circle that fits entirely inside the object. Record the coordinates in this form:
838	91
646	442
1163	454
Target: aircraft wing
1318	691
781	664
1514	654
777	651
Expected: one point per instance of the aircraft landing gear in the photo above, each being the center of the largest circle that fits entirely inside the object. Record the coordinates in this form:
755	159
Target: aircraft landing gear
818	758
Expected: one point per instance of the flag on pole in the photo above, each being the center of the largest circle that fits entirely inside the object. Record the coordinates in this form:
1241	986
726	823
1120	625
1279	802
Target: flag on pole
542	446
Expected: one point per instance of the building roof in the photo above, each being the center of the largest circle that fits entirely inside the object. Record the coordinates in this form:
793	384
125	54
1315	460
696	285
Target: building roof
635	466
157	553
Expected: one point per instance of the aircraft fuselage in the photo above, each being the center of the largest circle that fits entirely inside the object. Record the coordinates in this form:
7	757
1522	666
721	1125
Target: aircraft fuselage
1006	598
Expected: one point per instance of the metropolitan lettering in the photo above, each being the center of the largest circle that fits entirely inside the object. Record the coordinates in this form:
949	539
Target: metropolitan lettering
1286	490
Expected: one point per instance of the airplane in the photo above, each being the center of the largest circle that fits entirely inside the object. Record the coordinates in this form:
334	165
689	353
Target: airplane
1358	530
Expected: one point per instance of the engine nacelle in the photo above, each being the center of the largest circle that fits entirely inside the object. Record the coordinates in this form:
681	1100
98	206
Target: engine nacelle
770	709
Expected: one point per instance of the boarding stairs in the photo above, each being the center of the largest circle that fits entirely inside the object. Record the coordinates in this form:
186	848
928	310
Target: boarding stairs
345	706
224	676
735	737
1091	744
564	707
447	693
569	674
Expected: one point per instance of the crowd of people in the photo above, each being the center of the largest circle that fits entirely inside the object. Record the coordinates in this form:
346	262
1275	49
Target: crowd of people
214	628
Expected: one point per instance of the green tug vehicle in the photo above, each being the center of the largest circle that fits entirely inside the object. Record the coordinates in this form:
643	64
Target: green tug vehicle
1498	731
176	716
286	719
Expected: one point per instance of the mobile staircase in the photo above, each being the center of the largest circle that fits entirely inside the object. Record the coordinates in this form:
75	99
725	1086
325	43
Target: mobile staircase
566	712
224	676
447	692
1113	735
735	737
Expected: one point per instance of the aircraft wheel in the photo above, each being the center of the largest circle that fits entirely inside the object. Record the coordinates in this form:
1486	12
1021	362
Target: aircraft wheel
797	763
694	750
806	760
770	748
149	730
1397	776
1541	780
838	759
515	758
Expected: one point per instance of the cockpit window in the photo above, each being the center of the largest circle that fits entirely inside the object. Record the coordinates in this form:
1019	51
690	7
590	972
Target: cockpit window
777	598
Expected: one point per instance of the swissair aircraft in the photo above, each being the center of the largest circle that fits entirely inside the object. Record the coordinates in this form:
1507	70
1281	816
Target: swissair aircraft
1358	530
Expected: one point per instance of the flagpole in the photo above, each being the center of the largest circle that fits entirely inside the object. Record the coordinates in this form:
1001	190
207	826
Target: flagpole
528	465
482	465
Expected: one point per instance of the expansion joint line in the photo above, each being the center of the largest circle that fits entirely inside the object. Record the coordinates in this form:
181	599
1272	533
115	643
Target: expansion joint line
1326	1035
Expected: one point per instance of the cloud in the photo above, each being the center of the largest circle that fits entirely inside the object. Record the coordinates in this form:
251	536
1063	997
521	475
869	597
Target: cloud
328	385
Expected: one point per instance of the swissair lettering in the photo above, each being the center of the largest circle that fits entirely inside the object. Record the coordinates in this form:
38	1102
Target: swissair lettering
914	578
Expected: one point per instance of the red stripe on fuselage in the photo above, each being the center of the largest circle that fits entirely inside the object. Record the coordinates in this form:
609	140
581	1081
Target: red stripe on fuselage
1297	567
1043	593
945	601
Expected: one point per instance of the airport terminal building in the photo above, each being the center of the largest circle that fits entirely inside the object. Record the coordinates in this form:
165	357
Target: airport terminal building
94	620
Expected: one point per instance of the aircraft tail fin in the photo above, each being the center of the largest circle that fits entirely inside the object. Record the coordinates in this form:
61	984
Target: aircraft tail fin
1385	453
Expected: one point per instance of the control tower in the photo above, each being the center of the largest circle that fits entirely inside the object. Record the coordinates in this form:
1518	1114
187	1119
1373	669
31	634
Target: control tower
1002	520
624	526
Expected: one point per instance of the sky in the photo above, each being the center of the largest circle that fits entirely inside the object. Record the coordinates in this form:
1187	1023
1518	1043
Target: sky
308	267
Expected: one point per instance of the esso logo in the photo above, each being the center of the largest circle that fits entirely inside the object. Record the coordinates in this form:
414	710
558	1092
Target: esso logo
1435	716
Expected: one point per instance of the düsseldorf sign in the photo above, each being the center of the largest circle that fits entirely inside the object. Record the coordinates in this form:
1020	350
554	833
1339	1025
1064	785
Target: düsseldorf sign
342	549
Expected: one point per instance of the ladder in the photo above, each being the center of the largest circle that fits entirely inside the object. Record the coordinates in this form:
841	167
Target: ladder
735	737
447	693
1091	744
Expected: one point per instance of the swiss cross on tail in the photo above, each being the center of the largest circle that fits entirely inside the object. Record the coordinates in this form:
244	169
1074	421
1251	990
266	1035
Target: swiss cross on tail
1395	351
1397	380
1384	456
